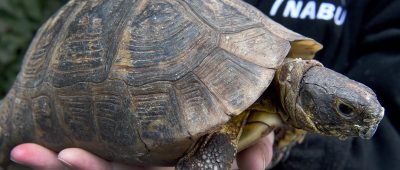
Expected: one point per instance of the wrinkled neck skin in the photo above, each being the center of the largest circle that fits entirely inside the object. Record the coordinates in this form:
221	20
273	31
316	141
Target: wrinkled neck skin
288	79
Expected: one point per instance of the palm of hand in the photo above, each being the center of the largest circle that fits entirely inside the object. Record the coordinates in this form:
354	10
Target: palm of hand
37	157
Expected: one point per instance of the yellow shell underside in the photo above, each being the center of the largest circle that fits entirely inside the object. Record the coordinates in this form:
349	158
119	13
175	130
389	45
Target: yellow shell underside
254	123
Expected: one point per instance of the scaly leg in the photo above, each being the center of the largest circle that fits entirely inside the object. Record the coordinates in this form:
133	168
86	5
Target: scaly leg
217	150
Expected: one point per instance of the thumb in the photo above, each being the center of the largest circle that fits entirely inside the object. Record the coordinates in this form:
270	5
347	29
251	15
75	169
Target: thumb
258	156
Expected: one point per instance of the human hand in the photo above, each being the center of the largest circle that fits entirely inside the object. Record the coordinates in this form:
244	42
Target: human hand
256	157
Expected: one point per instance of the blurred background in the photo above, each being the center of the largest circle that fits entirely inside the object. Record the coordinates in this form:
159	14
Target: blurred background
19	20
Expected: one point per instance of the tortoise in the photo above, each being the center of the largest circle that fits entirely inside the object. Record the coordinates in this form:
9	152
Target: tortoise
175	82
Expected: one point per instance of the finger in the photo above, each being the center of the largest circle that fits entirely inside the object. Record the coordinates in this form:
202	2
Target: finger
258	156
36	157
234	165
79	159
160	168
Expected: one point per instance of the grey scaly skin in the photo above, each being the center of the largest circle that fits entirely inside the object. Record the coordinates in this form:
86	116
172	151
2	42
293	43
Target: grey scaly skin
326	102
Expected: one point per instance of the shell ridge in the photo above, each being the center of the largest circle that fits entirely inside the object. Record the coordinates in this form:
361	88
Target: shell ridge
232	20
43	58
258	46
234	60
225	109
196	14
64	28
120	28
86	50
205	60
141	60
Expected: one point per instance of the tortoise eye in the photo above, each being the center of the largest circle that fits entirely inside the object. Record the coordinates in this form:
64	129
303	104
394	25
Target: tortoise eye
345	110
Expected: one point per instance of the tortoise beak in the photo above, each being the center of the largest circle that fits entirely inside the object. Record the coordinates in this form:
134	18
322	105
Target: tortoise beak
367	133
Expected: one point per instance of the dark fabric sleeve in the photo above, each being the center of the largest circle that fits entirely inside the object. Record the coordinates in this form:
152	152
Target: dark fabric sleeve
379	63
376	63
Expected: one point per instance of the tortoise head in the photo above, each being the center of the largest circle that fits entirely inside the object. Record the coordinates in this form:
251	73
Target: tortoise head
329	103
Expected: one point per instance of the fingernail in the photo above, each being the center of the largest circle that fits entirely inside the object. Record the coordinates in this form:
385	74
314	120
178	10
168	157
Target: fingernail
12	159
65	163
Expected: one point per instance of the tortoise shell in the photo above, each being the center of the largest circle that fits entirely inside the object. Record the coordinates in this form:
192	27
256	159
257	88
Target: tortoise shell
140	81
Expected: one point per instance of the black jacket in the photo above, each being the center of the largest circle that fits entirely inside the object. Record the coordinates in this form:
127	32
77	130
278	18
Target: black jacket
361	39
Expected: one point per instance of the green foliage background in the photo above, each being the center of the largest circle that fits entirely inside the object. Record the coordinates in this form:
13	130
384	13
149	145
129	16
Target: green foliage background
19	20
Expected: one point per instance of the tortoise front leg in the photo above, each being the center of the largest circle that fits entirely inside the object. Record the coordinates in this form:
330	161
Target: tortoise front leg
216	150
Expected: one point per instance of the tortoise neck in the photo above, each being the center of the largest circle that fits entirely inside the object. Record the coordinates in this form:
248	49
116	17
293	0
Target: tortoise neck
288	80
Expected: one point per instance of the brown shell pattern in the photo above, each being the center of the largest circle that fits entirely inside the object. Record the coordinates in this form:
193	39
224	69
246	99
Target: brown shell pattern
142	76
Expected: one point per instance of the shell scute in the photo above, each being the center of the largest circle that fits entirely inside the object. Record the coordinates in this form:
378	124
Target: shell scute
162	44
198	105
84	52
221	16
159	120
39	53
46	122
229	79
